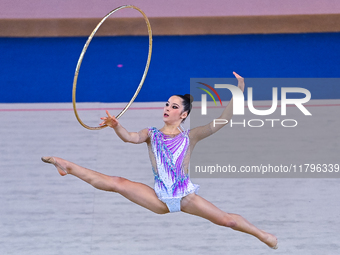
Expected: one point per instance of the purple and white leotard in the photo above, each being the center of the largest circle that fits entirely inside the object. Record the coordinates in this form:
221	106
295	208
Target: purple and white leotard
170	163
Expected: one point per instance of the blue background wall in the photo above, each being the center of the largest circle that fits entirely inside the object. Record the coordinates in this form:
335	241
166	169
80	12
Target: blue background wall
42	69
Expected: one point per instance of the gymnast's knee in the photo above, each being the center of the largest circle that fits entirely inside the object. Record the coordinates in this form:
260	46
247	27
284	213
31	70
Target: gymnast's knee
229	221
117	183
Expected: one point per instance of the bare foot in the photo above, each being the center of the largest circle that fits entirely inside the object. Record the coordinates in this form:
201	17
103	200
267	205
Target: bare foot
51	160
270	240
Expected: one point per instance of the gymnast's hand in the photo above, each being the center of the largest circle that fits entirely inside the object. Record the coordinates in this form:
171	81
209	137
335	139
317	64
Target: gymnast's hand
240	81
110	121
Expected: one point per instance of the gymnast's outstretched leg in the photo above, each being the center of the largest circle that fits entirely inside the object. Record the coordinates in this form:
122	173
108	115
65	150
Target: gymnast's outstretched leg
136	192
196	205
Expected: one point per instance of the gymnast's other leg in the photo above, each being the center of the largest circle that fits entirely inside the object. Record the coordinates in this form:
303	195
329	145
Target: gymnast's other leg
136	192
196	205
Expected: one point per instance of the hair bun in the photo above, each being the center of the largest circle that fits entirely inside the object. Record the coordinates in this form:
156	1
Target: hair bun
190	97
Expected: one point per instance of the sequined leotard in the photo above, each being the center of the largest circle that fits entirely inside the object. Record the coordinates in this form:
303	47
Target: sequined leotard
170	161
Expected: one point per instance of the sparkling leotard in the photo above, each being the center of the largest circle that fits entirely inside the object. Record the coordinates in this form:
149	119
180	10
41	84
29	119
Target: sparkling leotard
170	162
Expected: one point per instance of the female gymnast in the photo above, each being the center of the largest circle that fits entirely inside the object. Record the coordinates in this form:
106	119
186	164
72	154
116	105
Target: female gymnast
169	149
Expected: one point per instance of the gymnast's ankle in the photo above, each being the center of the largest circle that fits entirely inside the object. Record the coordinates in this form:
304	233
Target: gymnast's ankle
52	160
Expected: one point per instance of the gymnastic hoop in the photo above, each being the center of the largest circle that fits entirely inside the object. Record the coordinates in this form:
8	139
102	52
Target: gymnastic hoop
80	60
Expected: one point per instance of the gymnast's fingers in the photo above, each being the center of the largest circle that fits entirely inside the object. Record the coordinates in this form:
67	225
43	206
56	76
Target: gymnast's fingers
108	114
237	75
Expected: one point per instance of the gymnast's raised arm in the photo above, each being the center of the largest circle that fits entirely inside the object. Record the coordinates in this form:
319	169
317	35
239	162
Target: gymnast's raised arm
227	114
202	132
126	136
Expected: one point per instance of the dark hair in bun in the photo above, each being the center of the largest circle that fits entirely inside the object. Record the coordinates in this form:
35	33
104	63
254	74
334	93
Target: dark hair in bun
190	97
187	99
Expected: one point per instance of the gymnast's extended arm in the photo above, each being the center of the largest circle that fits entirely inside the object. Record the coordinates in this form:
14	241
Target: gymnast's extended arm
126	136
227	114
202	132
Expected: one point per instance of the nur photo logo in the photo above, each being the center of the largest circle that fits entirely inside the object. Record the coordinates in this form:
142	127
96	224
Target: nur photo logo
204	97
239	104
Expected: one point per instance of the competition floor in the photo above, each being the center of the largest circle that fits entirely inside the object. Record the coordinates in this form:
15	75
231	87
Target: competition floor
43	213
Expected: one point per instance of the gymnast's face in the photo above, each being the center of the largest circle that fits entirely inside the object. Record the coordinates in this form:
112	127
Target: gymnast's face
173	110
